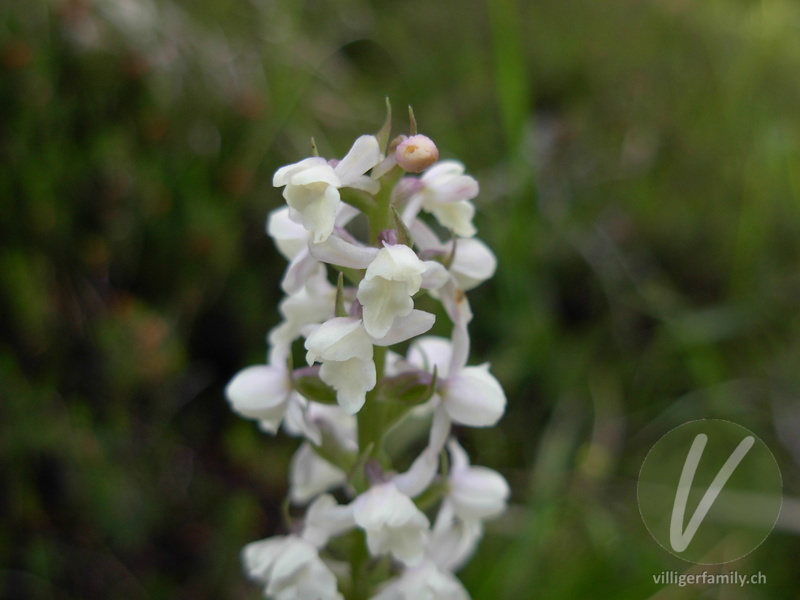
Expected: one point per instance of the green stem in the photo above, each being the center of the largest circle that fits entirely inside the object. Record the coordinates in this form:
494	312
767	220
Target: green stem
358	562
381	216
370	425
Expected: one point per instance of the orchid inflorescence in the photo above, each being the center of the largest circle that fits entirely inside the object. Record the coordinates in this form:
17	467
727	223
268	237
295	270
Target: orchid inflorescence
365	532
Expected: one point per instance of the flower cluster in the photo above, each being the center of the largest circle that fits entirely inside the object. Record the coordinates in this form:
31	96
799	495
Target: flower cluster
367	530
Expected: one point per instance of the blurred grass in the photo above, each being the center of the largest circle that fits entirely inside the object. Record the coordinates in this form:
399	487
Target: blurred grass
639	167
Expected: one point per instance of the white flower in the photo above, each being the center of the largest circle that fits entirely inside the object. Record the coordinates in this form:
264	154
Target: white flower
304	309
261	392
345	349
293	242
445	192
310	475
324	519
453	541
423	582
312	185
477	493
423	470
310	419
385	292
291	569
392	522
471	395
473	261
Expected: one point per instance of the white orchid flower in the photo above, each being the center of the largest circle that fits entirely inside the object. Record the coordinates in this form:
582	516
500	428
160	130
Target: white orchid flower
453	541
425	581
445	192
345	349
476	493
303	310
473	261
392	522
290	568
326	518
470	395
311	475
293	240
309	419
263	393
392	278
312	185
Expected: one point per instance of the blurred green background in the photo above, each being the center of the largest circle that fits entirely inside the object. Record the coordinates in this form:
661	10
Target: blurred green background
640	172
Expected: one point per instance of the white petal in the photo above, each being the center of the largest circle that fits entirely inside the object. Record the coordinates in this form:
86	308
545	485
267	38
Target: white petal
456	304
435	275
364	155
423	236
429	352
351	379
459	459
318	174
292	558
392	522
384	166
365	184
336	251
291	568
315	206
385	292
423	582
259	557
443	170
302	267
423	470
310	475
397	262
460	187
337	423
260	392
454	215
453	541
383	300
474	397
478	493
473	263
299	423
283	174
308	307
341	338
411	210
290	237
324	519
415	323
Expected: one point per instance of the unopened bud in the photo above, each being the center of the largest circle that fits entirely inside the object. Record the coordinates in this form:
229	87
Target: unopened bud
417	153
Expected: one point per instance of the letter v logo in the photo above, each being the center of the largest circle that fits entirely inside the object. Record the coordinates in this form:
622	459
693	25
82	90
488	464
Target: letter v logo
680	540
709	491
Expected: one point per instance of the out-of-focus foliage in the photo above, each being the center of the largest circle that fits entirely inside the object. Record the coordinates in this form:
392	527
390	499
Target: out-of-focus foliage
640	164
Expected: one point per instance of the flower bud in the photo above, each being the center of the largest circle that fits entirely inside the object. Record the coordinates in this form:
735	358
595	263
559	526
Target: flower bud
417	153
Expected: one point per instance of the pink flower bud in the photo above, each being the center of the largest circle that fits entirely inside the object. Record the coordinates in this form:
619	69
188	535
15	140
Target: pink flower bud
417	153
